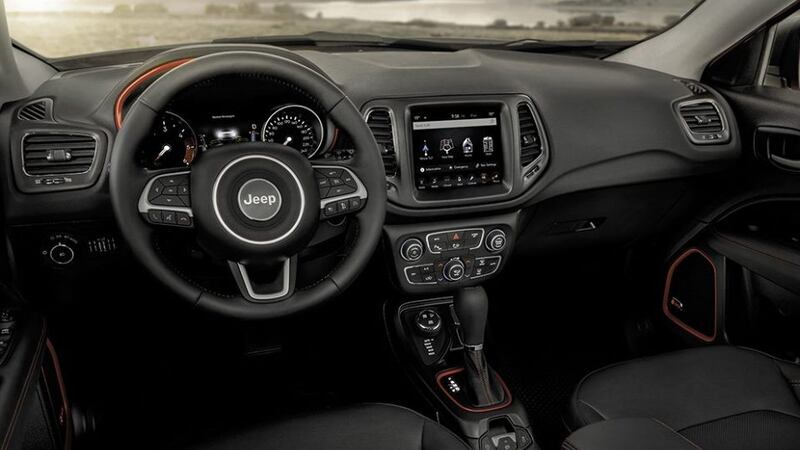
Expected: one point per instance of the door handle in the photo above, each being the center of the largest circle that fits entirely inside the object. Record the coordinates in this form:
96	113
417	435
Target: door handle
785	162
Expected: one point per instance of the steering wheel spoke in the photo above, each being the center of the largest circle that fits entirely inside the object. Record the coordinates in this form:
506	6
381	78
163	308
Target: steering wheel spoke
265	282
341	191
166	200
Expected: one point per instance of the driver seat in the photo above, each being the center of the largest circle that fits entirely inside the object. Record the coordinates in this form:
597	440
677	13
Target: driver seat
370	426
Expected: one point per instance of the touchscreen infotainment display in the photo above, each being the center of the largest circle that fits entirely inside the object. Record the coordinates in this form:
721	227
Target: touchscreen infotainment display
456	146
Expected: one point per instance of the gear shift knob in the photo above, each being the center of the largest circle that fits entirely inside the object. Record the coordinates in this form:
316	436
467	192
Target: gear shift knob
472	309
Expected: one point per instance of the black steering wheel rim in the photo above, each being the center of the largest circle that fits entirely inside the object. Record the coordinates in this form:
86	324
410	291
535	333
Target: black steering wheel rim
127	179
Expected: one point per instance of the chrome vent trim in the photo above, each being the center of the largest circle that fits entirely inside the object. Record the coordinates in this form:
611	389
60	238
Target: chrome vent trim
704	122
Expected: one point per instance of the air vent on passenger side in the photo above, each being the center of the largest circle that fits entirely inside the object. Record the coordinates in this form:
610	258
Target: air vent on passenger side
379	121
530	138
57	154
704	122
37	110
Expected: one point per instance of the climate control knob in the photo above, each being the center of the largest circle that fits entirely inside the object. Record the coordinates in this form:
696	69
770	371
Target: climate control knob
453	270
412	250
496	241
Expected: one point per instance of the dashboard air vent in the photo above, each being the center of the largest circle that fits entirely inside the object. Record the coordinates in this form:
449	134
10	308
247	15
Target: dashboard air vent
704	121
57	154
529	135
36	111
379	121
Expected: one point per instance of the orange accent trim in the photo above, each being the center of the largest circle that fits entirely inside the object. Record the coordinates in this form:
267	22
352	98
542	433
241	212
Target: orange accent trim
665	302
455	370
62	387
138	82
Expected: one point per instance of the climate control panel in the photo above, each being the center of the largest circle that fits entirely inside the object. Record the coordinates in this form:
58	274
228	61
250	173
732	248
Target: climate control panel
445	258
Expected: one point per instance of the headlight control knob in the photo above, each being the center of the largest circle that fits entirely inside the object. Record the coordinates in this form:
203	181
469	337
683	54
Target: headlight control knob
62	254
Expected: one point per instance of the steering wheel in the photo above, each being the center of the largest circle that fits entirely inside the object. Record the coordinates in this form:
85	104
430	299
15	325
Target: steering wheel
253	204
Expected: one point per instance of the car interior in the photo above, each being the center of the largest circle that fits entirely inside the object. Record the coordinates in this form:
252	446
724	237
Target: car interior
341	240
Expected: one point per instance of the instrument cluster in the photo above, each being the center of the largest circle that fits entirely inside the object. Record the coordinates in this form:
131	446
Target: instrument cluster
177	141
223	112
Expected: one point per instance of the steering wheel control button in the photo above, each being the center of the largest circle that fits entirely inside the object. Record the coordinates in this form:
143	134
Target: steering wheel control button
335	183
169	217
183	220
411	250
454	270
428	322
170	190
259	200
496	241
62	254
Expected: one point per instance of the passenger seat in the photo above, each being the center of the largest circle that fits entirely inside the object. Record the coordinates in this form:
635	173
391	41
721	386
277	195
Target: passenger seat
714	398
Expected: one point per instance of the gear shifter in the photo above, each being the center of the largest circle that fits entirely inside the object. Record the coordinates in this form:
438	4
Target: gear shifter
472	309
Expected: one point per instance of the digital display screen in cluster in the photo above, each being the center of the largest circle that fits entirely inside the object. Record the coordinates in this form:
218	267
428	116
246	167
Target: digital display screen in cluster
456	146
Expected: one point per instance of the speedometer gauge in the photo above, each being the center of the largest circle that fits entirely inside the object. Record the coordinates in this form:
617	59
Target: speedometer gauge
295	126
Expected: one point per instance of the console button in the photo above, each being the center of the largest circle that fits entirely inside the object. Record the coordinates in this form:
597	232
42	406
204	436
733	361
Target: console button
472	238
412	250
414	275
429	278
496	241
438	242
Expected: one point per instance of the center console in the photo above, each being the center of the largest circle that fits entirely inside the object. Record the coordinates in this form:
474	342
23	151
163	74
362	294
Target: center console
442	154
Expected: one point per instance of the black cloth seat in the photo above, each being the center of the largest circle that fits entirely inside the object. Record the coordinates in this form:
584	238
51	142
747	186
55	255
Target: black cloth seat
372	426
718	397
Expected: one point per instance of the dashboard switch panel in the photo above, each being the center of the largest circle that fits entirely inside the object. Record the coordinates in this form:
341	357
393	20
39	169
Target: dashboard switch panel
444	256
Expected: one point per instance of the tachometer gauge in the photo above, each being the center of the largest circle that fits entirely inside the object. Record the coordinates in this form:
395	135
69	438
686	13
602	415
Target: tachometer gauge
173	142
295	126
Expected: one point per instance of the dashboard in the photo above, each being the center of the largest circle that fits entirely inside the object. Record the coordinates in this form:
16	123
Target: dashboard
486	153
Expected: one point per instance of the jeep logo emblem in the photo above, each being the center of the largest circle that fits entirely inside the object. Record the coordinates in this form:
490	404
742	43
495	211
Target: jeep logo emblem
259	200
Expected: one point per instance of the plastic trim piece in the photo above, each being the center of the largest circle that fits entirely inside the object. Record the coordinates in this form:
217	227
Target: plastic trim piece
665	303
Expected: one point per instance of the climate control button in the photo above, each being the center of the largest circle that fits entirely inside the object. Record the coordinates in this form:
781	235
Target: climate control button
454	270
496	241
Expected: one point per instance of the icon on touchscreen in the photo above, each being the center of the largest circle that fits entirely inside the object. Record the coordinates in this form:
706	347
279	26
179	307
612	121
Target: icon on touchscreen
466	146
488	145
446	145
425	149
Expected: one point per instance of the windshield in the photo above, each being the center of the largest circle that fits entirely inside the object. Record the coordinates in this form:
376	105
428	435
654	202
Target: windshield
63	28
